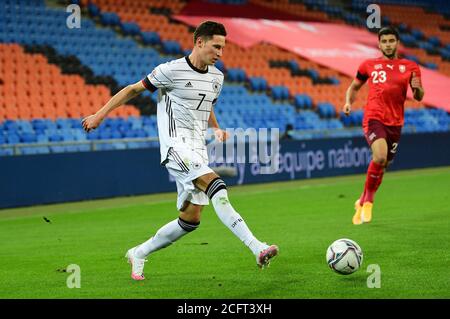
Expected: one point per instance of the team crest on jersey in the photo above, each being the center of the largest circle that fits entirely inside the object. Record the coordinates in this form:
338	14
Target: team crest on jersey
402	68
196	165
216	85
378	66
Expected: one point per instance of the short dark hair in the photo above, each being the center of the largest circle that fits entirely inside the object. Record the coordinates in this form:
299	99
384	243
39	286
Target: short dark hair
388	30
208	29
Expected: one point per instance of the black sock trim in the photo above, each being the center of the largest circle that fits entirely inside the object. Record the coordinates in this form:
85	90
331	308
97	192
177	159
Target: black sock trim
187	226
209	186
216	185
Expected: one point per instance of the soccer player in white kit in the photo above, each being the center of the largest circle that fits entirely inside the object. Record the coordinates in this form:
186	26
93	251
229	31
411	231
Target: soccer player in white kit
188	89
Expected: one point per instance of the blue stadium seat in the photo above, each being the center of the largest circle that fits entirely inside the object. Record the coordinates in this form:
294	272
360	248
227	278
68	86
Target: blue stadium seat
434	41
293	65
12	138
10	126
104	134
63	123
431	65
334	80
236	75
109	19
326	110
407	39
345	119
151	38
55	138
280	92
39	125
412	58
24	126
220	65
417	34
258	83
28	138
314	74
172	47
42	138
130	28
303	101
93	10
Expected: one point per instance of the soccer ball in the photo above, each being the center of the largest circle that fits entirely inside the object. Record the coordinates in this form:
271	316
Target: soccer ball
344	256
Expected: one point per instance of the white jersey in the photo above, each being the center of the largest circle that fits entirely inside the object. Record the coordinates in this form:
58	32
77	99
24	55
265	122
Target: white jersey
185	99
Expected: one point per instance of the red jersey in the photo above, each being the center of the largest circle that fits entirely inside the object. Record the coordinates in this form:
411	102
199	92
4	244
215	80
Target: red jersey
388	85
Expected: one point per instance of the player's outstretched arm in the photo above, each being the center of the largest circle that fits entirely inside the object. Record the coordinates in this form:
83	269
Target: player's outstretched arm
416	87
350	95
123	96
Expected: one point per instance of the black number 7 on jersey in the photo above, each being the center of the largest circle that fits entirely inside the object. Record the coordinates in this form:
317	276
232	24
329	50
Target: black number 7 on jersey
203	97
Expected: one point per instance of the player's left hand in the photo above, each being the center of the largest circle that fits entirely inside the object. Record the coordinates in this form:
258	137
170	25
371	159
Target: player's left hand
415	81
221	135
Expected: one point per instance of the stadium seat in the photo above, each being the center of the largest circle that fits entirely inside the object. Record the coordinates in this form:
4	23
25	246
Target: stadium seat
130	28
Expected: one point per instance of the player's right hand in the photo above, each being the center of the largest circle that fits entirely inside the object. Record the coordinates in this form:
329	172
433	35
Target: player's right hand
91	122
347	108
415	81
221	135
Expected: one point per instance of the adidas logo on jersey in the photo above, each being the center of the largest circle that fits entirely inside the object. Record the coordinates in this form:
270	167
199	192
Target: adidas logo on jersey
188	85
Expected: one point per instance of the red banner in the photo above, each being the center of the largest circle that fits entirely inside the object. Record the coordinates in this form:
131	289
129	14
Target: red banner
339	47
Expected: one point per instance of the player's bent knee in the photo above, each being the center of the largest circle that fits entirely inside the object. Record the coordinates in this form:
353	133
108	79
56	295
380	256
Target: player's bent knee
214	187
188	226
191	213
381	160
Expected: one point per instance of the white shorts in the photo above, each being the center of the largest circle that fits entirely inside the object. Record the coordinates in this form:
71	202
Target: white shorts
185	165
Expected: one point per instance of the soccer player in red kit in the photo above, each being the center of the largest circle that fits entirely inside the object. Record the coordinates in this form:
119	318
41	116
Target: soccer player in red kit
388	78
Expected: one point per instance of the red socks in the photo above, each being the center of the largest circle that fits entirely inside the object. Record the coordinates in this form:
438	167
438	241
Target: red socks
361	198
374	177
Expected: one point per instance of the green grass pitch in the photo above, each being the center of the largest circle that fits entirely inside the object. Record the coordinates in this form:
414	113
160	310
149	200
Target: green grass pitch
409	238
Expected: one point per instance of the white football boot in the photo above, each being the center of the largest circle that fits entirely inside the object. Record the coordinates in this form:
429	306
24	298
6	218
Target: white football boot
265	255
137	264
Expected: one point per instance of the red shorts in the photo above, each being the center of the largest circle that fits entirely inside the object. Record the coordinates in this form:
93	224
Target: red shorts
375	130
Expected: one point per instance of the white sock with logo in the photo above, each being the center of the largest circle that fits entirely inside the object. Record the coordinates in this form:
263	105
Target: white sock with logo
234	221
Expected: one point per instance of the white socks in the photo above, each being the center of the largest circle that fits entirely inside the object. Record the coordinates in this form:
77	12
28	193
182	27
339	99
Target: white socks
177	228
234	221
165	236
